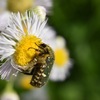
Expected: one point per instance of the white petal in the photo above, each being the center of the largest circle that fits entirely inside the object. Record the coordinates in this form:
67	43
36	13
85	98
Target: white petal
41	28
6	55
6	70
48	36
34	24
4	40
13	33
60	42
59	73
17	21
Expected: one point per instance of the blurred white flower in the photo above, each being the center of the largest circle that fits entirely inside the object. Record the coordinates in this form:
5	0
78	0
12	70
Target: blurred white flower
36	94
40	11
63	62
45	3
5	16
23	5
16	37
2	5
10	96
9	93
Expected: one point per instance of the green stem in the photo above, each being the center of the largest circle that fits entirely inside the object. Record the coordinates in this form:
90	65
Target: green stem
10	84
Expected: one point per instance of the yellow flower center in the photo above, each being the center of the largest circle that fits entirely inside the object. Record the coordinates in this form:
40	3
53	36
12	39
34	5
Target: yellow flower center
61	57
26	49
19	5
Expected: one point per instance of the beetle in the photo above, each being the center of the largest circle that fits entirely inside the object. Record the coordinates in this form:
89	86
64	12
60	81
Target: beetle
40	66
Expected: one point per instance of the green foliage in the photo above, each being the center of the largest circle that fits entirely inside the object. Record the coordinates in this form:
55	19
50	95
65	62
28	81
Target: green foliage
79	22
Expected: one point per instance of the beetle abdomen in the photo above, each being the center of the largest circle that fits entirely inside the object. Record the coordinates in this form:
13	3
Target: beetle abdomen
41	73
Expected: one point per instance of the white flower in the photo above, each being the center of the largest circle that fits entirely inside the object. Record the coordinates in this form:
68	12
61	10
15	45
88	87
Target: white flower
45	3
10	96
17	40
62	63
9	93
36	94
40	11
15	5
2	5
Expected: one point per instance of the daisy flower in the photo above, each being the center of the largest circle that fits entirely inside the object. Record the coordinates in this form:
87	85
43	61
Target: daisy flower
45	3
24	80
9	93
62	63
23	5
10	96
19	42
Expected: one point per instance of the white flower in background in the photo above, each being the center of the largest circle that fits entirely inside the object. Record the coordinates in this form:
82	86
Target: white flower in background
36	94
9	93
19	5
16	41
4	16
4	19
40	11
23	5
45	3
2	5
10	96
62	63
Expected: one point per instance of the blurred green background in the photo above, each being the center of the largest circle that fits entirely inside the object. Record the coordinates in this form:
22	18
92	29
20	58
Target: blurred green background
79	22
